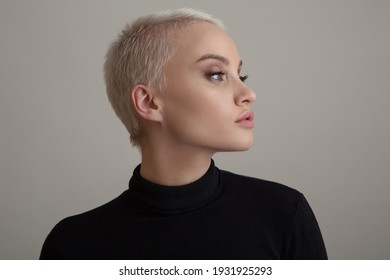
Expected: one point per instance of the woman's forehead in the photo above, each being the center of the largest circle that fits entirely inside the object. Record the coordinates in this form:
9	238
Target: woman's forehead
203	41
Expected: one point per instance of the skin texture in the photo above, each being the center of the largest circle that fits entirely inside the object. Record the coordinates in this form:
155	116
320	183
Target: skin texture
196	114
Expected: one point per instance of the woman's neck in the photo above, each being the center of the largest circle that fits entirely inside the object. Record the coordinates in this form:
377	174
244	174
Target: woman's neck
174	166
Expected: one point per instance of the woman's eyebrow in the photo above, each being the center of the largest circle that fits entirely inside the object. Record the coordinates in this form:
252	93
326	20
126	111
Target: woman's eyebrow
217	57
214	56
221	58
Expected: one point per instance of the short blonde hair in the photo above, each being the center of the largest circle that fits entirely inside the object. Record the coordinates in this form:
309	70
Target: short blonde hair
138	56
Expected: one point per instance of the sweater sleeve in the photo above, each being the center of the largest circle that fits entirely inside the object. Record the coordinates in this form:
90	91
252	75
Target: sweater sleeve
305	239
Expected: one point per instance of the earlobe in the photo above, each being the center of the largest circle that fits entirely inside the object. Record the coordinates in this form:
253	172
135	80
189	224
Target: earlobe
144	102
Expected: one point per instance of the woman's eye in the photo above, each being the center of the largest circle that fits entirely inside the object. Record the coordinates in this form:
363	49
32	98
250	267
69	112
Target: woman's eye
218	76
244	78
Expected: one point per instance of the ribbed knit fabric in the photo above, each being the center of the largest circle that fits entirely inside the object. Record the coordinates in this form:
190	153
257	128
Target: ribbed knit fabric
220	216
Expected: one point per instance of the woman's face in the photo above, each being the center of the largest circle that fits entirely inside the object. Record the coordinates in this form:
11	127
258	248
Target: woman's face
206	102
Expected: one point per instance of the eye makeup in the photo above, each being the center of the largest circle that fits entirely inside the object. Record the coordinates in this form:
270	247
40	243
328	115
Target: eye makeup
223	76
244	78
216	74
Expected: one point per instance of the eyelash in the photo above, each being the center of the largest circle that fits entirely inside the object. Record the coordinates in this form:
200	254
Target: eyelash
220	73
244	78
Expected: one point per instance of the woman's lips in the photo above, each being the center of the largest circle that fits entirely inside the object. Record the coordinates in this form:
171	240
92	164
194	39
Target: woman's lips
246	119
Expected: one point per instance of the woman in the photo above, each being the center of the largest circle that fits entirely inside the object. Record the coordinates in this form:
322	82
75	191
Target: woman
174	80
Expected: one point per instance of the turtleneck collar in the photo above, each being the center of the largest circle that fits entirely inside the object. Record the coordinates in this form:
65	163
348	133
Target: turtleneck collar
176	199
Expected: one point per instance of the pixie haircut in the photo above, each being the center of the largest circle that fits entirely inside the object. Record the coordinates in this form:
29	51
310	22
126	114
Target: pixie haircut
138	56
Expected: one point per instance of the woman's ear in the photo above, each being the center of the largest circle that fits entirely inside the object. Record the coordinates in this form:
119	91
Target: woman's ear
145	103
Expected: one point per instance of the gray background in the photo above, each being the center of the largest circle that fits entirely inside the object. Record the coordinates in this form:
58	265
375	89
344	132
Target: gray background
321	73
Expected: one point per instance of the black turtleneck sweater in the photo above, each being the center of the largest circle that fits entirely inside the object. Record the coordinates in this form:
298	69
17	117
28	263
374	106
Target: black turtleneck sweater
220	216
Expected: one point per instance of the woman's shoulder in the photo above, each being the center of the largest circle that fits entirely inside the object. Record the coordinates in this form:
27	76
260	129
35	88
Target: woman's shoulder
80	230
278	207
92	218
259	188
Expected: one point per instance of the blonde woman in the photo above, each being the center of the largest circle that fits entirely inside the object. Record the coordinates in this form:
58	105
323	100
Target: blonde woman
174	79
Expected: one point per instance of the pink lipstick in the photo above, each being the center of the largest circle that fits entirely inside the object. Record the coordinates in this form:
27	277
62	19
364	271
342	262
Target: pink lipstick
246	119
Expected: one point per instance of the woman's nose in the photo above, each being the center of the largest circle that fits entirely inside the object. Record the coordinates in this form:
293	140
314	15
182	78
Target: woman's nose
245	95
